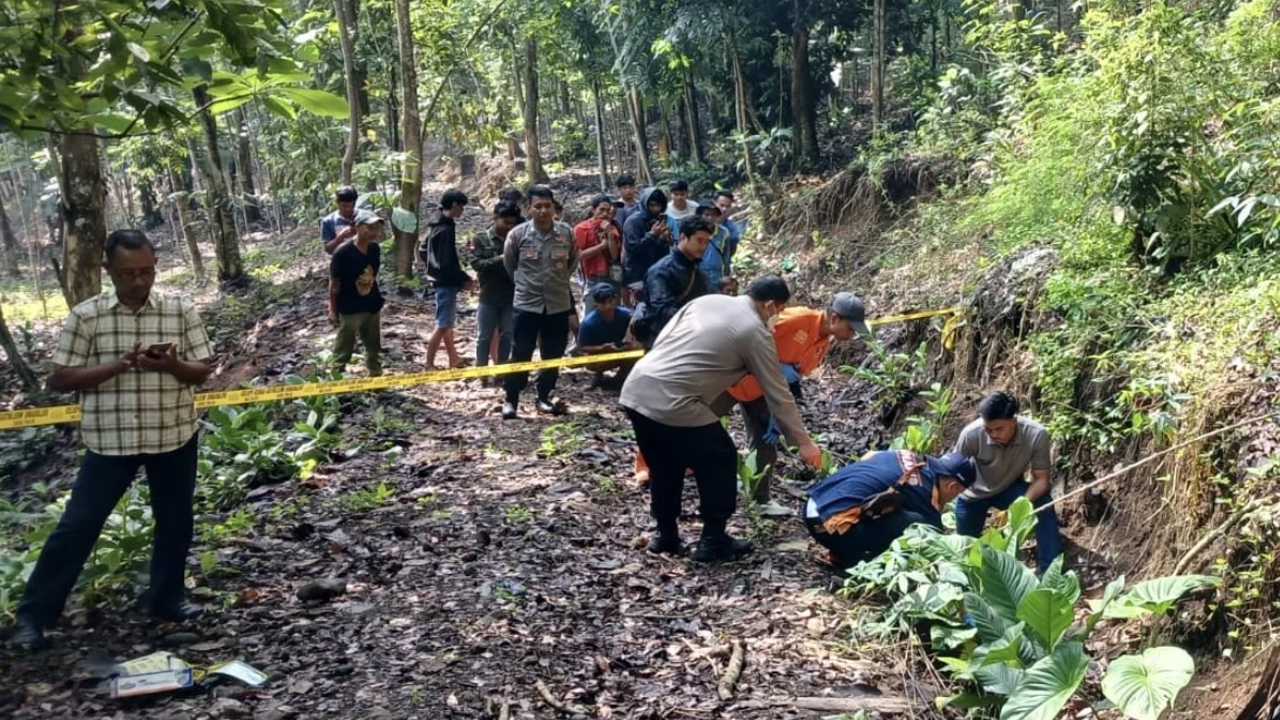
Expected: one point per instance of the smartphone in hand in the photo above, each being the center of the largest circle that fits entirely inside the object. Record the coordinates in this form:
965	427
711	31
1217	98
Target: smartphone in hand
159	350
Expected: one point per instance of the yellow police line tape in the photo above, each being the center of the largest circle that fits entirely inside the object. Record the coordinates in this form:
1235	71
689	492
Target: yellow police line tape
53	415
15	419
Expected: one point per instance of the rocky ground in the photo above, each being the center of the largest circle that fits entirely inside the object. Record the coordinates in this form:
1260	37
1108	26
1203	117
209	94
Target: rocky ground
496	573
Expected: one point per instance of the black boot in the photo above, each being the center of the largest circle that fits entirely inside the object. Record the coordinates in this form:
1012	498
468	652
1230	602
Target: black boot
181	611
720	546
28	635
666	540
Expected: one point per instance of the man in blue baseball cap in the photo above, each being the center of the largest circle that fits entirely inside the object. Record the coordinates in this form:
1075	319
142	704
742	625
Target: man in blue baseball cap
860	509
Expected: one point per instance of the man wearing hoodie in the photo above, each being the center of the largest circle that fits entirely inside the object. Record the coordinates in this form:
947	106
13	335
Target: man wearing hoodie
646	239
440	252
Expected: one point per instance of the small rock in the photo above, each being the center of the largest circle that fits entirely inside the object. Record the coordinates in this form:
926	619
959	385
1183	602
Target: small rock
229	708
181	638
321	590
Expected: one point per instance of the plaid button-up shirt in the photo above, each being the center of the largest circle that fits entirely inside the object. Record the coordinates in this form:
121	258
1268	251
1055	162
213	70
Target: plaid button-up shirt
139	411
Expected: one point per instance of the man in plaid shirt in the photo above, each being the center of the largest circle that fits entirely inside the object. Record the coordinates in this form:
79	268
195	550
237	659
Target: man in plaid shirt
134	357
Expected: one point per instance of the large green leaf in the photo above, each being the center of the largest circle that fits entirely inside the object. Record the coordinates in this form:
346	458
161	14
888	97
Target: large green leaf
1047	686
1021	521
1005	581
1064	583
318	101
1000	652
1157	596
403	220
990	624
1144	686
1047	614
1000	679
1100	607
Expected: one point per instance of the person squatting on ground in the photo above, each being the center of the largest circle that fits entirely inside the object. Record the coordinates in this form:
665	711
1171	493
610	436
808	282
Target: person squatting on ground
599	244
860	509
440	253
671	398
134	356
497	291
606	329
1004	445
802	336
339	226
540	258
355	302
646	239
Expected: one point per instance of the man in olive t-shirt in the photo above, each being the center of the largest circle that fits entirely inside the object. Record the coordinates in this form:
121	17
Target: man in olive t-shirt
1004	446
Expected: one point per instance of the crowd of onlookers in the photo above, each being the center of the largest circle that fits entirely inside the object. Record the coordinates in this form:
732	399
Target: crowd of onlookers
608	283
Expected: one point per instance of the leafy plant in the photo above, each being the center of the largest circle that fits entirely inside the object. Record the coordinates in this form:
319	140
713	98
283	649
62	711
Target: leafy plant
896	374
562	439
924	432
1015	637
369	498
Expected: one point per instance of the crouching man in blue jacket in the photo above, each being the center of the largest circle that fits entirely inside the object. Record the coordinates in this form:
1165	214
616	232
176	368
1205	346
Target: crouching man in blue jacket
860	509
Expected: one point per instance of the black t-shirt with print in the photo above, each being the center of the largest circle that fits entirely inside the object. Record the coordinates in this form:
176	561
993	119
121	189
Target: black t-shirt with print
357	274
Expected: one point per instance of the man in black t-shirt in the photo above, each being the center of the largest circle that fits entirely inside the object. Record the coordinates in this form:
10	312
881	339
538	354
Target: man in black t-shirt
355	303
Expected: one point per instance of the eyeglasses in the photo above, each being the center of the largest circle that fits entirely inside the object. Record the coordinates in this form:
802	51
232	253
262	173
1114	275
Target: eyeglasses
146	273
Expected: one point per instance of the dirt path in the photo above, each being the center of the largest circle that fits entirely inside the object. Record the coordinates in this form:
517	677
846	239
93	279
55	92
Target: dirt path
492	556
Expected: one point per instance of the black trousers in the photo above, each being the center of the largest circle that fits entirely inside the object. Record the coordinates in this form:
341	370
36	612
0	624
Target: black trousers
102	481
549	333
708	451
865	540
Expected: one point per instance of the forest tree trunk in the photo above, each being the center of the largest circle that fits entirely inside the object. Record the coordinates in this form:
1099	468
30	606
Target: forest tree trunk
411	175
84	208
30	383
695	127
877	66
252	214
222	223
601	156
347	35
181	202
803	113
636	112
533	153
12	255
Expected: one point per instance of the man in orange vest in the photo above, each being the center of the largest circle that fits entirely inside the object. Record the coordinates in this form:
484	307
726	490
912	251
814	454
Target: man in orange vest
803	336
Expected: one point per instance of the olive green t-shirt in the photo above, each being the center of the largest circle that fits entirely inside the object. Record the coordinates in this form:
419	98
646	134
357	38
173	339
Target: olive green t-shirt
1000	466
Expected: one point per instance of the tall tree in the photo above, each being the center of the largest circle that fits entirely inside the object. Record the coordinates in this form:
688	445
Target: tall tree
181	195
803	106
84	212
244	162
28	378
533	155
12	254
411	131
345	11
877	64
226	242
601	156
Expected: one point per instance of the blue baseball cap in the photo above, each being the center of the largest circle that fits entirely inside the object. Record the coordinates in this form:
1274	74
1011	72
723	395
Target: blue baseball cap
956	465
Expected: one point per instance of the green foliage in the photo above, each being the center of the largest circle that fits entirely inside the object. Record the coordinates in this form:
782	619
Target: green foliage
1144	686
896	374
1014	638
119	558
369	498
923	434
562	439
750	475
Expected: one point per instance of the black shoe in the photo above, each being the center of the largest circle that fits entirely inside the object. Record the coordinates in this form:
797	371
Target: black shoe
717	548
509	410
666	542
548	407
181	612
28	636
